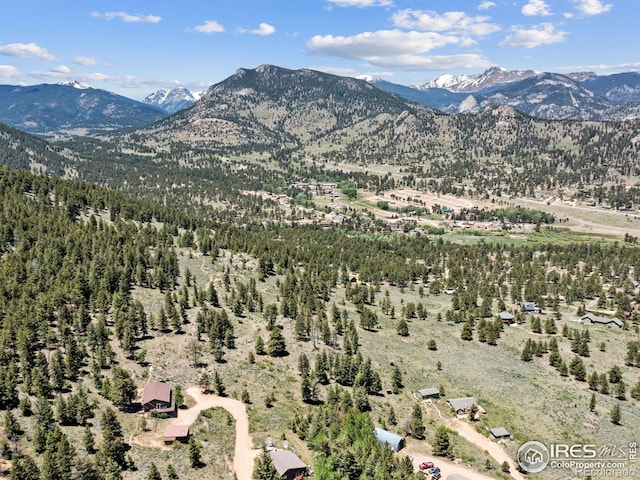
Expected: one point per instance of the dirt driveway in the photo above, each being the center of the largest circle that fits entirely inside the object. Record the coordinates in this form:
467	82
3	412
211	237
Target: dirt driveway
446	467
244	453
484	443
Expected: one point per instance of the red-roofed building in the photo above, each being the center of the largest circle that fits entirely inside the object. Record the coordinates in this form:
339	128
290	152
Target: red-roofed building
176	432
158	396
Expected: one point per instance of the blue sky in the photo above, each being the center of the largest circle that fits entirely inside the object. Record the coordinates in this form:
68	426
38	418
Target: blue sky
135	47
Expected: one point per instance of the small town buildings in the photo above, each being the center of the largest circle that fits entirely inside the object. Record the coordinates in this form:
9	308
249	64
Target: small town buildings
427	393
158	396
288	464
590	318
395	441
176	432
461	405
501	434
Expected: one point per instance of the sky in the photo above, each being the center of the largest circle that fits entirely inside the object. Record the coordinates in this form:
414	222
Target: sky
135	47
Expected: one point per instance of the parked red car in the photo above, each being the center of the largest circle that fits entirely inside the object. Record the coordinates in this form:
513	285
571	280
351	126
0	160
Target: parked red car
425	465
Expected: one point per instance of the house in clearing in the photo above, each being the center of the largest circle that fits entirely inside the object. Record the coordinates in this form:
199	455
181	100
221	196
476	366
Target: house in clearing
529	307
288	465
501	434
461	405
176	432
427	393
395	441
506	317
590	318
158	396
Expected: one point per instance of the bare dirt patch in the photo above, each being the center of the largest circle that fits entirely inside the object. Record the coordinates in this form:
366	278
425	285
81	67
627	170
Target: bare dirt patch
495	450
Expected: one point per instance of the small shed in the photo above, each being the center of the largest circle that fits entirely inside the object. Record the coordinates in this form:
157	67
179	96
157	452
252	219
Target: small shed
395	441
427	393
288	464
501	434
176	432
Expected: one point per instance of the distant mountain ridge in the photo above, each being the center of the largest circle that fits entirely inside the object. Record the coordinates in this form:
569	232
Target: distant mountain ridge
493	77
270	124
272	114
550	96
171	101
71	108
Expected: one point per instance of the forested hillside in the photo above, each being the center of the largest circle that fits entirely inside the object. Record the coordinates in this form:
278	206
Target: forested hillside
321	332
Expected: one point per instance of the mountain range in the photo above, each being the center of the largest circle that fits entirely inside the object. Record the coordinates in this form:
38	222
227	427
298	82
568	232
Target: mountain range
71	108
76	109
272	125
491	78
271	114
551	96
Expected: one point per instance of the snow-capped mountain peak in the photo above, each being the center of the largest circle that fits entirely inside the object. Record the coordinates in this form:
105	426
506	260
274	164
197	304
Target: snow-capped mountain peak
491	77
172	100
75	84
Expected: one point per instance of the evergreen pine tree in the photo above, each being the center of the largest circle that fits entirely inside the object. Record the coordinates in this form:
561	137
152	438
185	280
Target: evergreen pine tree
416	423
153	474
24	468
263	468
396	380
194	453
441	443
616	415
171	473
467	332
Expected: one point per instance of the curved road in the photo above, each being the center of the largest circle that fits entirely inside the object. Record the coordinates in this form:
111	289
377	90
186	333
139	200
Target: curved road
244	453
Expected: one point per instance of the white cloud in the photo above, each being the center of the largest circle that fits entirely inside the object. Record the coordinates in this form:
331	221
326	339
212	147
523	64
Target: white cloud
209	26
380	43
447	22
626	67
543	34
26	50
127	18
396	49
486	5
61	69
434	62
591	7
9	71
80	60
361	3
264	30
96	77
350	72
536	8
